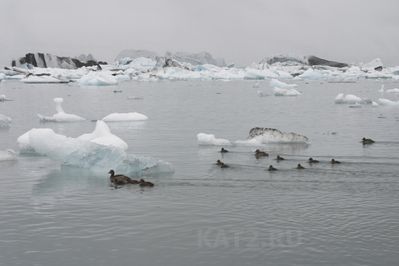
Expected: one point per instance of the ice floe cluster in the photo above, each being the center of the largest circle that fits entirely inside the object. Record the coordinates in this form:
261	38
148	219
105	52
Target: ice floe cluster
148	66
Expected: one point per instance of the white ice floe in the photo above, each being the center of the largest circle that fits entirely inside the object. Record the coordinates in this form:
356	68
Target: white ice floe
8	155
98	78
285	92
347	99
99	151
275	83
5	121
2	76
210	139
314	74
387	102
42	79
60	116
395	90
259	136
4	98
102	135
124	117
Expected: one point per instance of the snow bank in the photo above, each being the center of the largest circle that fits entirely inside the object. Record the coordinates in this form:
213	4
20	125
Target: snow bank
5	121
98	151
8	155
210	139
60	116
98	78
121	117
285	92
259	136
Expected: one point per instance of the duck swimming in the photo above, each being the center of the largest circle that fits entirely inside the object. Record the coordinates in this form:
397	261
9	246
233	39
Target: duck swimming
221	164
311	160
279	158
299	166
223	150
121	179
366	141
143	183
333	161
259	154
271	168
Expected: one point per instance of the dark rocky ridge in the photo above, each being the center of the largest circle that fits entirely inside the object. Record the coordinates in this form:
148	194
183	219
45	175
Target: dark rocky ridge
49	60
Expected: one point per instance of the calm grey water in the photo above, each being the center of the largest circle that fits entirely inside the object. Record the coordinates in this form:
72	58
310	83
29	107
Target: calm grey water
346	214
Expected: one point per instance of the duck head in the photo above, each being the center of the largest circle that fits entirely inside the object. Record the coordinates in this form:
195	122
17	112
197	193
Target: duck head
111	172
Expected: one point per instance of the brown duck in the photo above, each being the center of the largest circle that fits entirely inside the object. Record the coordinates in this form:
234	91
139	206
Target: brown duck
259	154
121	179
144	183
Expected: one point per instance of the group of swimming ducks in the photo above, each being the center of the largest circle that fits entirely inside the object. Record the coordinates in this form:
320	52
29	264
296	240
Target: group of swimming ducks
260	154
120	180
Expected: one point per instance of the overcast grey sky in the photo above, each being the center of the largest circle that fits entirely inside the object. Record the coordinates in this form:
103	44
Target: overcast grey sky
240	31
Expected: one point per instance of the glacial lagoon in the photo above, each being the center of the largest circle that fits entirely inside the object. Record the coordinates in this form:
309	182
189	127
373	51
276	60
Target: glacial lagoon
200	214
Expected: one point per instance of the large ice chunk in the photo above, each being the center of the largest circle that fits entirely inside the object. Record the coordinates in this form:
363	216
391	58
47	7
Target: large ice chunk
60	116
122	117
96	151
259	136
210	139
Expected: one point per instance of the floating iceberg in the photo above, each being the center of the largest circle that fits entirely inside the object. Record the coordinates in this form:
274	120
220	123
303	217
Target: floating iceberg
5	121
285	92
8	155
314	74
348	99
387	102
42	79
98	151
102	135
279	84
259	136
60	116
4	98
96	78
123	117
210	139
395	90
